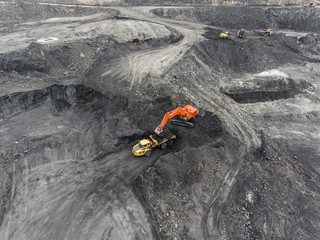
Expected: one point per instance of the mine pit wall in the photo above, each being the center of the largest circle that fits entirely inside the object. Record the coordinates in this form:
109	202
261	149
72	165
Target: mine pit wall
295	18
299	19
250	56
174	2
265	89
58	100
53	133
19	12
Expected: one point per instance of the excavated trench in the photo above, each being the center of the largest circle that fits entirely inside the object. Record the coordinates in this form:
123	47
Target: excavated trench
264	90
261	96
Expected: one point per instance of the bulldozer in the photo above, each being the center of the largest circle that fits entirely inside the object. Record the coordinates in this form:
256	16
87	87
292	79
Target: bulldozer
240	33
267	32
163	137
225	35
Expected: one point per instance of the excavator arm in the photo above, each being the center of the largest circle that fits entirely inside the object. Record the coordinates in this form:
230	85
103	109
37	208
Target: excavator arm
184	113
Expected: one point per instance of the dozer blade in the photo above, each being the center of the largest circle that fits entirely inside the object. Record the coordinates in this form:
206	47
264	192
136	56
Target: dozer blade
181	123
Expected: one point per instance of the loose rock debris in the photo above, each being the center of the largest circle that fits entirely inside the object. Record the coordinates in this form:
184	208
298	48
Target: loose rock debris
75	97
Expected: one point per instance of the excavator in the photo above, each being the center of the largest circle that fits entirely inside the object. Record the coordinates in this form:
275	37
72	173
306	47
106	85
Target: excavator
185	114
162	137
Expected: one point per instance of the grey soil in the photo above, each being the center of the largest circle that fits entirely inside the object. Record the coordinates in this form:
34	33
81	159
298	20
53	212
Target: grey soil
76	95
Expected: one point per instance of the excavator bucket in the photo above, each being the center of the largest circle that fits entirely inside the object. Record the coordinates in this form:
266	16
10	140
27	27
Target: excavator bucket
158	132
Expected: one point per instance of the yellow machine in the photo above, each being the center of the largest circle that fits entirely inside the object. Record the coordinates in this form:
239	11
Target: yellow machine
267	32
309	5
225	35
145	146
240	33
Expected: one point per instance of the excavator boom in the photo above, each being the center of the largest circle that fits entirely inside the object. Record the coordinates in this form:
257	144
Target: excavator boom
184	113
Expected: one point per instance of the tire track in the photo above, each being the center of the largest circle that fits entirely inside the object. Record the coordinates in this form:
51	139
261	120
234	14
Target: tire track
139	65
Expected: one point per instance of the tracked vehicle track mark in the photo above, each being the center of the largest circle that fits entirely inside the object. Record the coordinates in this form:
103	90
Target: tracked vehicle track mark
156	62
13	189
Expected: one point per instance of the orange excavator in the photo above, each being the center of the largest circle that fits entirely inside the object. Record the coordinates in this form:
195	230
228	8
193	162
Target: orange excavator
184	114
164	137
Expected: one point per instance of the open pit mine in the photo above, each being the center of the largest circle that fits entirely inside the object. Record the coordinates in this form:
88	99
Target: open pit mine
231	87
